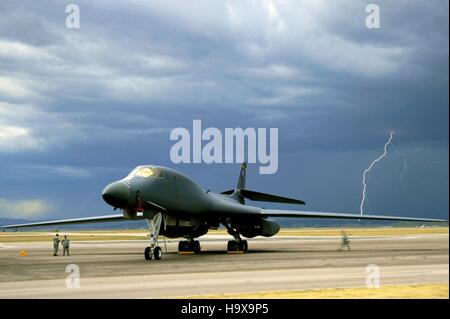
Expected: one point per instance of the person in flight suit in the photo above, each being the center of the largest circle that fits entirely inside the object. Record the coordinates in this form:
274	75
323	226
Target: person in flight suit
55	245
66	244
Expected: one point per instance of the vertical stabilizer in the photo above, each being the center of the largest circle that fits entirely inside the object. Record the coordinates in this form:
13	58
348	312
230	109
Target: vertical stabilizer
240	184
241	180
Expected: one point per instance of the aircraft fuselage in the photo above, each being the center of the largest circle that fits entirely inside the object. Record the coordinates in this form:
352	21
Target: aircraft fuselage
189	210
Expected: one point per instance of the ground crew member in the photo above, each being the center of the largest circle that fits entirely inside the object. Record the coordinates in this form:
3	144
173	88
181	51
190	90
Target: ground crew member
138	207
66	244
55	245
345	241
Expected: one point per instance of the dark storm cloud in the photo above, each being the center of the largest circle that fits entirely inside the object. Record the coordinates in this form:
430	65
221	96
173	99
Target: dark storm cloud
108	94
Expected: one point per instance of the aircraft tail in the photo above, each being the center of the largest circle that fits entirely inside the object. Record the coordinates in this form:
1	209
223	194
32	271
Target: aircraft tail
241	180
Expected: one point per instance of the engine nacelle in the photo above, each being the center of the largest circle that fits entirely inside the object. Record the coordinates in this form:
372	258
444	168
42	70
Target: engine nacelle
266	228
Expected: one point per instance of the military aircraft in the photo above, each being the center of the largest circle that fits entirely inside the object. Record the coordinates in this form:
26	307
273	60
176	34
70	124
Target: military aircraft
175	206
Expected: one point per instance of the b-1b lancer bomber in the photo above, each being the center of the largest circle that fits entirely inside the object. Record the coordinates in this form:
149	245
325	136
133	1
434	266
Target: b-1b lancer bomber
175	206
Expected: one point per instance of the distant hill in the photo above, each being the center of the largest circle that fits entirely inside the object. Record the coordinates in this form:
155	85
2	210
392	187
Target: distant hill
11	221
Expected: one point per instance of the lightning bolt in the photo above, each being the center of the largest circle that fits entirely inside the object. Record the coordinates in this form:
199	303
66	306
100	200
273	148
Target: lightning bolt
367	171
405	169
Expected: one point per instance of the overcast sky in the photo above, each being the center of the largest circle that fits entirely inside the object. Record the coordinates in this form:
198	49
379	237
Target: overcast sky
80	108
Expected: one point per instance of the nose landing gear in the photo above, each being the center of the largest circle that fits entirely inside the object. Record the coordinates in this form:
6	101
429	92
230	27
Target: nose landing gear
154	251
150	252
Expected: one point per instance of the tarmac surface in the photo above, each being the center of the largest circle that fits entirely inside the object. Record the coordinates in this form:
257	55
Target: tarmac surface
117	269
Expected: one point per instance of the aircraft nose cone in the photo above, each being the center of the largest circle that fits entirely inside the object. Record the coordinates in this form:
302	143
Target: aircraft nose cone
116	194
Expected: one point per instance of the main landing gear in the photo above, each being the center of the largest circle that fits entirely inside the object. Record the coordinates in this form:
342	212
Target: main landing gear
154	251
189	246
238	244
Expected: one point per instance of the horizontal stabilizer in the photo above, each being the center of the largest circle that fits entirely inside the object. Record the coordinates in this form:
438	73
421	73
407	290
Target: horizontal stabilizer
263	197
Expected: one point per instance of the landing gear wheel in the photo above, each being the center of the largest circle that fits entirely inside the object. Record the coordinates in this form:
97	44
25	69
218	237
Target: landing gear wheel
234	245
244	246
154	224
237	244
148	253
197	247
157	253
189	246
182	245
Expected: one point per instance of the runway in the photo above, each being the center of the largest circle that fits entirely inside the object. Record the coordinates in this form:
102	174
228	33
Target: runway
117	269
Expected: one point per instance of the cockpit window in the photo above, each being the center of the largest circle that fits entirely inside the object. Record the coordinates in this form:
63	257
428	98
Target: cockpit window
146	172
133	172
157	172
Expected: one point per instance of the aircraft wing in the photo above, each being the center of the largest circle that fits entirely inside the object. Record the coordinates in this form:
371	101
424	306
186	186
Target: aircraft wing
307	214
84	220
